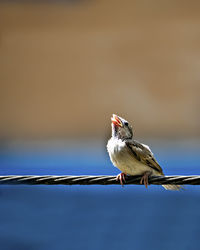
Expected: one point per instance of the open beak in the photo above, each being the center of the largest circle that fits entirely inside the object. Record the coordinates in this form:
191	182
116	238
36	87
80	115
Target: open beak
116	120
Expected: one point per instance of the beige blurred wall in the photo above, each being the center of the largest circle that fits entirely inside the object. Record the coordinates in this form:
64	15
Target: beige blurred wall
65	68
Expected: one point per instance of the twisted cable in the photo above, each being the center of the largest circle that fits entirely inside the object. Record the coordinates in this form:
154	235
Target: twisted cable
95	180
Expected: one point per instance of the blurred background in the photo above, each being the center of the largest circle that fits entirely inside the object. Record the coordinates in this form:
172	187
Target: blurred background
65	68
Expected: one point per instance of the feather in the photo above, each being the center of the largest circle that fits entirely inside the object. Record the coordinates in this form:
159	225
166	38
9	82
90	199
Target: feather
143	154
172	187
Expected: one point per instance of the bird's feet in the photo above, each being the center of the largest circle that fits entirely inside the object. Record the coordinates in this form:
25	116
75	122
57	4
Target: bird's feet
145	179
121	177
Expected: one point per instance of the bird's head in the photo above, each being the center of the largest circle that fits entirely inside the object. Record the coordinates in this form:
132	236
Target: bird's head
121	129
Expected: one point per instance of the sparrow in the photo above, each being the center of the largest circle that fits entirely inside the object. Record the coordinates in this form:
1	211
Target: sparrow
131	156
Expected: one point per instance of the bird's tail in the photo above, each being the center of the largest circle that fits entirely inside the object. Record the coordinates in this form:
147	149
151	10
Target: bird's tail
173	187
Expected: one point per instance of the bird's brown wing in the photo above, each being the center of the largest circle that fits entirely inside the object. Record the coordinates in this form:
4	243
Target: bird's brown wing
143	154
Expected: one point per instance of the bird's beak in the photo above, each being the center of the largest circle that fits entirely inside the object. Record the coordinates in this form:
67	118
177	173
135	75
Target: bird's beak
116	120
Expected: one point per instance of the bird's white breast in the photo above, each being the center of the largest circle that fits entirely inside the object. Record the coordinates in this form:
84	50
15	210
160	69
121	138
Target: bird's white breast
122	158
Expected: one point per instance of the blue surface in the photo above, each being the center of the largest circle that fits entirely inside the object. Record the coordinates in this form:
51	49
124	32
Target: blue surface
97	217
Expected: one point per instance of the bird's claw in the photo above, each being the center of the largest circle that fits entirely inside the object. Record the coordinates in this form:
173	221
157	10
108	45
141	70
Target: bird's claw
121	177
145	179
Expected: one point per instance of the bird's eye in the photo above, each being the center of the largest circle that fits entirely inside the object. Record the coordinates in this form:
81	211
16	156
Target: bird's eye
126	124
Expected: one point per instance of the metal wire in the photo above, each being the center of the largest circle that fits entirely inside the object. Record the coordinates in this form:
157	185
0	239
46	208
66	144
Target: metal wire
95	180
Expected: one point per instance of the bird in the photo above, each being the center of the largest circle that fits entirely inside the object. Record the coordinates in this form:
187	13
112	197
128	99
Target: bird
131	156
